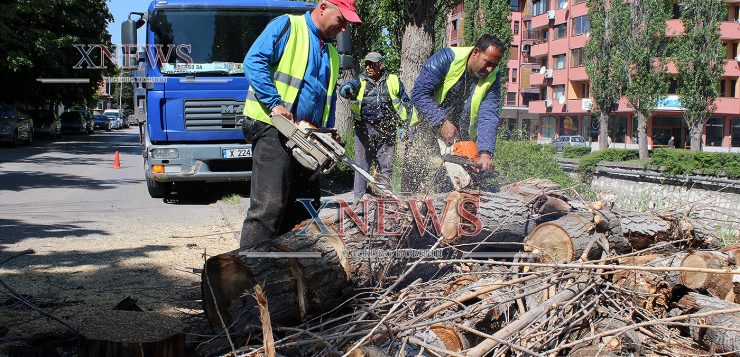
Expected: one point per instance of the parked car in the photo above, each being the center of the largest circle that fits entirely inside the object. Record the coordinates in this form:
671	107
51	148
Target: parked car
132	120
15	125
46	122
115	122
101	121
74	122
568	140
115	114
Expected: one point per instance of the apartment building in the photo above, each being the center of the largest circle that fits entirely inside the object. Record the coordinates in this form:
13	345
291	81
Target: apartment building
548	90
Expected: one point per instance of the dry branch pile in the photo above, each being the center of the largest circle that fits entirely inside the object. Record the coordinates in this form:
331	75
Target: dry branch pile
580	279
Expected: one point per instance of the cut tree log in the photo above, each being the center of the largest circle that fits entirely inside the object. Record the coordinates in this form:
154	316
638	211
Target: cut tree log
300	288
717	340
720	286
652	290
567	238
131	334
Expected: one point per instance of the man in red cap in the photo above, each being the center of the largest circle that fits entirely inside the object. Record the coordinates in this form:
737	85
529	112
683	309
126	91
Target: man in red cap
292	69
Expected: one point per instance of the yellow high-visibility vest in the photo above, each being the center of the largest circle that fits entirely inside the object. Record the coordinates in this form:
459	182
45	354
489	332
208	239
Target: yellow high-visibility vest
457	69
394	88
288	76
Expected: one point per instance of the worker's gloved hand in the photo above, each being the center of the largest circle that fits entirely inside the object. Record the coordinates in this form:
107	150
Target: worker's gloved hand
346	91
336	136
485	161
449	132
282	110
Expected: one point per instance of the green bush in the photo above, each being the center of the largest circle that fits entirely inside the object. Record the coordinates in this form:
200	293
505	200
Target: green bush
520	160
572	152
685	162
587	163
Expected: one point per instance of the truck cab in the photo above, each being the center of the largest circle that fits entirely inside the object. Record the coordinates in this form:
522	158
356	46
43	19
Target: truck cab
195	86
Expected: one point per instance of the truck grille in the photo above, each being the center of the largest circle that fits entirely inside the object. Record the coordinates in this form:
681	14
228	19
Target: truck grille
212	114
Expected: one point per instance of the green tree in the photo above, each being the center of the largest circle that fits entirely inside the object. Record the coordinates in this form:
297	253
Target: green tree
123	94
491	17
605	59
699	57
37	39
646	76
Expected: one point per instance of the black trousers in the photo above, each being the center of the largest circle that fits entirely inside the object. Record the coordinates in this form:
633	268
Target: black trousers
278	180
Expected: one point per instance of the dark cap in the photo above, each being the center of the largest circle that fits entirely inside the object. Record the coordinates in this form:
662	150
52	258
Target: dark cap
374	57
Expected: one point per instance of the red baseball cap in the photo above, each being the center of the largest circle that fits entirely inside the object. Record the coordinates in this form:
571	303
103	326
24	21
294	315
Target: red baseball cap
348	9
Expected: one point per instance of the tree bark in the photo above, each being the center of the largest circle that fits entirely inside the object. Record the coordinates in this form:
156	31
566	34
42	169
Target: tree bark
716	340
695	132
603	130
642	137
418	39
132	334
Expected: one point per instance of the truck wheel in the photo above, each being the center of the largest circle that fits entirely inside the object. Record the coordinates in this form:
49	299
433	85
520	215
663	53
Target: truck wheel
158	189
29	141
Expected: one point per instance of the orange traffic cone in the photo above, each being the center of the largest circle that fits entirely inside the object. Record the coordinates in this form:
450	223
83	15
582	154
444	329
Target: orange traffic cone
117	160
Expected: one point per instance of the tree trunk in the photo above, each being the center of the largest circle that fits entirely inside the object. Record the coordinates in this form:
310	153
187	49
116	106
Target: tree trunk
418	40
299	288
603	130
642	137
716	340
695	132
343	115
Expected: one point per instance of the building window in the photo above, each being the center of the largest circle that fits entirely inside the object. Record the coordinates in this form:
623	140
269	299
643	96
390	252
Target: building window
558	92
510	98
581	25
548	128
576	57
514	5
562	4
513	75
559	61
560	31
545	35
617	128
735	132
576	2
585	126
672	86
539	7
733	84
568	126
715	131
514	53
516	27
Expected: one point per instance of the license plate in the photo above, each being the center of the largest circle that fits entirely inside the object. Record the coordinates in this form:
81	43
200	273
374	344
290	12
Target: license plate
236	153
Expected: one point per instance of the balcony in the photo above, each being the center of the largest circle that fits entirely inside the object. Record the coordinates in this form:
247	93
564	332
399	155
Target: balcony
727	105
539	50
732	68
729	30
538	107
540	21
536	79
533	37
580	105
578	74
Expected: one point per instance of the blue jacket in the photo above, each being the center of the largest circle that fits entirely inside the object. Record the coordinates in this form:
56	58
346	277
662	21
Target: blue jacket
457	104
267	50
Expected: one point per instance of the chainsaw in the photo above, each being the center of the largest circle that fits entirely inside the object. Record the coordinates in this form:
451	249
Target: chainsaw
316	150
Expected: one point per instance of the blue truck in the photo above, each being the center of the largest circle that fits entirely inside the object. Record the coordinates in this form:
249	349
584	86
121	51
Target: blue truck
195	87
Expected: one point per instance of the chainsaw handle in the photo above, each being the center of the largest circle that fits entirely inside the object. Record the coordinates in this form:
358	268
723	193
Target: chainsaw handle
462	161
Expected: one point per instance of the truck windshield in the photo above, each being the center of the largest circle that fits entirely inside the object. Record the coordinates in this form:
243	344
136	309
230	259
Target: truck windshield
218	39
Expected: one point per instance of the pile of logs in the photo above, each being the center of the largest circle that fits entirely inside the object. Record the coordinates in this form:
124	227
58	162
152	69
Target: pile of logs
547	274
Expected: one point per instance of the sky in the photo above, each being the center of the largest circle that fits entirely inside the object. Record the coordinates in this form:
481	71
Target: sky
120	10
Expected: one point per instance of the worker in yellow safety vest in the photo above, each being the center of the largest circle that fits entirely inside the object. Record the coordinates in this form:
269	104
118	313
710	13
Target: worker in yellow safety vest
292	69
379	106
457	99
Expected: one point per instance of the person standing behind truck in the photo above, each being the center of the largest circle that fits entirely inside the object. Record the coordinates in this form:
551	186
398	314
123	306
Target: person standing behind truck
380	105
456	95
292	70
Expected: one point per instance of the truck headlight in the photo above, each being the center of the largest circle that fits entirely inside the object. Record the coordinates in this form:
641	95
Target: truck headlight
164	154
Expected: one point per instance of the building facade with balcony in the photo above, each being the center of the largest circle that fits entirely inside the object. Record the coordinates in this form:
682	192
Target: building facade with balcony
548	90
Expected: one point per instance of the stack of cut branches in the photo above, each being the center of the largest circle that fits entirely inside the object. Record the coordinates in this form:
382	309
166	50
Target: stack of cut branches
546	274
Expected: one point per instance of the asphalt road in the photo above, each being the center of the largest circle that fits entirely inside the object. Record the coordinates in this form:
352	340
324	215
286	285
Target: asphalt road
97	235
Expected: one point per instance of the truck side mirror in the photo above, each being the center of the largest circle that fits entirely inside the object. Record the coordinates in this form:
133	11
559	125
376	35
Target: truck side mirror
344	47
128	35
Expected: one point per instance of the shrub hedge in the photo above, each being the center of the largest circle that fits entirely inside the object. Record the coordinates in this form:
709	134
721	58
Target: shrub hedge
685	162
587	163
572	152
520	160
